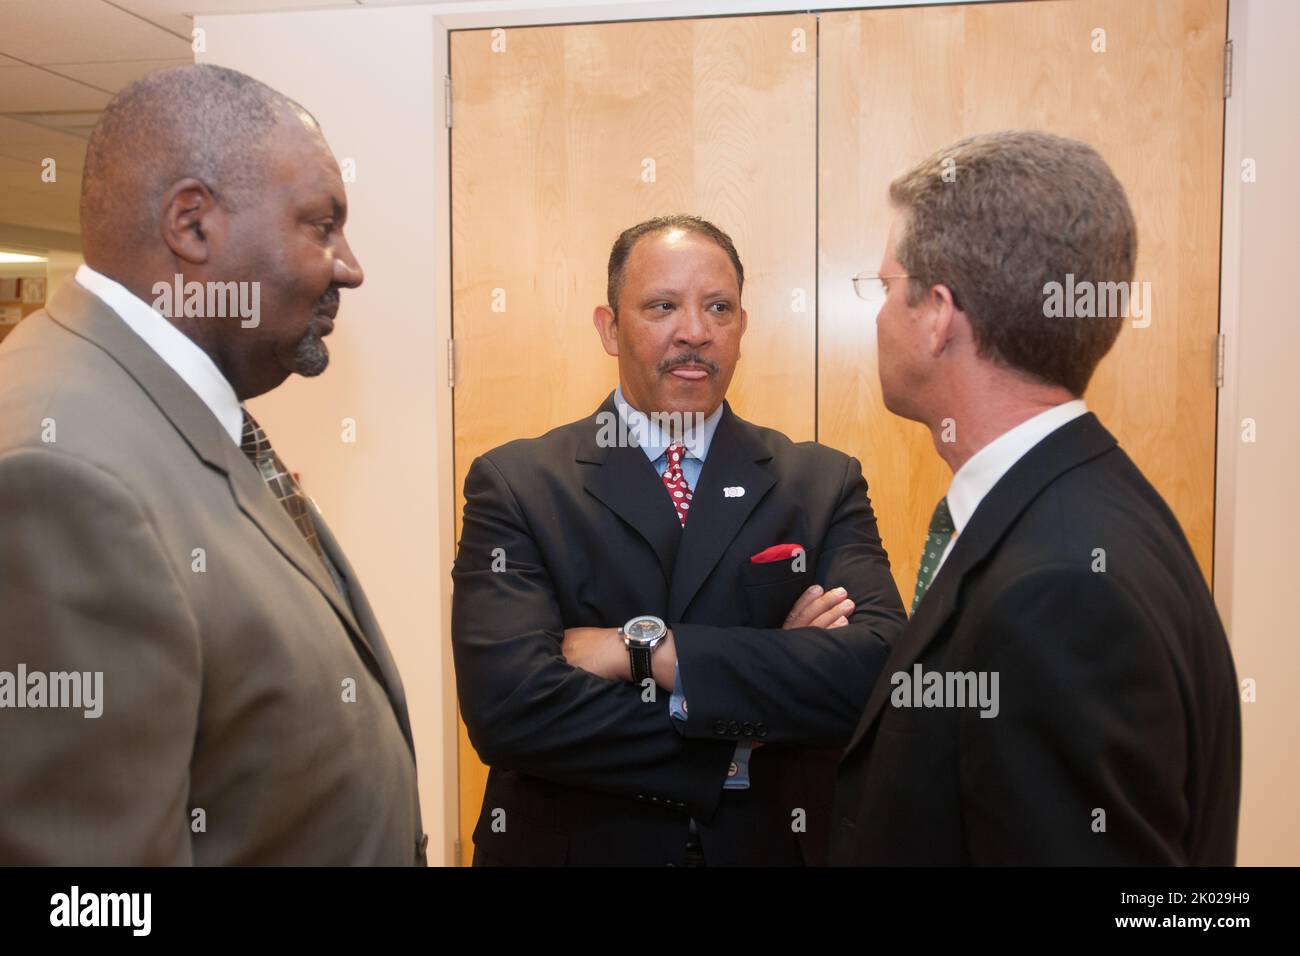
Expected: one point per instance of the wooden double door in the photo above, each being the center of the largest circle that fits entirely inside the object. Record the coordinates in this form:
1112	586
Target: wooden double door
785	131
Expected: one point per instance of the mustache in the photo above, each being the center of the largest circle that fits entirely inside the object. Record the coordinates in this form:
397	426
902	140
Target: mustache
688	358
330	300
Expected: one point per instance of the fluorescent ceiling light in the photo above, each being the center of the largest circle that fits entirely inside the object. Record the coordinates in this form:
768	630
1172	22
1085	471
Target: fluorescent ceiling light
13	257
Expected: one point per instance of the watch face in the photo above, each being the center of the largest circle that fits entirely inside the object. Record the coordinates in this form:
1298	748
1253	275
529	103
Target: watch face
643	630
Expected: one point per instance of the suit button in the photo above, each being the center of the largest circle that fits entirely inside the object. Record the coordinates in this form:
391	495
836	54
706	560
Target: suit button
720	727
760	729
747	729
733	728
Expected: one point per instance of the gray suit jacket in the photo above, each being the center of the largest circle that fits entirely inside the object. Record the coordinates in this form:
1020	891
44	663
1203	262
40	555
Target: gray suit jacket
249	714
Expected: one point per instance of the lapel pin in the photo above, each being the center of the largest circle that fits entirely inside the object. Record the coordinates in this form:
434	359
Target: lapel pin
733	491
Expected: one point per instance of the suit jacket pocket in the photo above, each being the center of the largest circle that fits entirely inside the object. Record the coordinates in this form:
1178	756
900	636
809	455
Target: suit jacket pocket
771	589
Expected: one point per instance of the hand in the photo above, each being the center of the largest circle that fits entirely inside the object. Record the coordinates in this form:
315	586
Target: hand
817	609
598	650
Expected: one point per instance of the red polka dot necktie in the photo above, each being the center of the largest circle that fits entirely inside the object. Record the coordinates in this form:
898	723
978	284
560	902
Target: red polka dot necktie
679	492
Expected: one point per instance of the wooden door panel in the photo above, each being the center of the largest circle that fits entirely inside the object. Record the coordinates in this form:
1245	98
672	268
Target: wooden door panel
563	137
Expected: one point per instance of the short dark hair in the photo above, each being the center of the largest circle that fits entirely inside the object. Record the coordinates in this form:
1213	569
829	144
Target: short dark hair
199	120
628	238
998	217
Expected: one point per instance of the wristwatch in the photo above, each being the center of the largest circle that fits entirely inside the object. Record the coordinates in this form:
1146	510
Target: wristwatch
642	635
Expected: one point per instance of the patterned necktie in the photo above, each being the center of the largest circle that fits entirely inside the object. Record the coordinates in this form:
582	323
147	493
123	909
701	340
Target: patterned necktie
679	492
941	529
255	445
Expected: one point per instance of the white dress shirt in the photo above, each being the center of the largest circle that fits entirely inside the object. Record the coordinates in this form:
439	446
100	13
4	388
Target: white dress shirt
985	468
173	346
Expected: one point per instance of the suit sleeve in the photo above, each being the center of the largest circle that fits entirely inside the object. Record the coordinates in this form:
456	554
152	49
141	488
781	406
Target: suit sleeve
85	587
525	707
1084	761
808	685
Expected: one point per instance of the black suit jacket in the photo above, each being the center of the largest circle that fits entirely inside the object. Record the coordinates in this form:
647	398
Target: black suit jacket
583	770
1118	702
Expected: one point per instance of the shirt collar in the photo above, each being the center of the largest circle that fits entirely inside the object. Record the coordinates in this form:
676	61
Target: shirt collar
975	479
191	363
655	432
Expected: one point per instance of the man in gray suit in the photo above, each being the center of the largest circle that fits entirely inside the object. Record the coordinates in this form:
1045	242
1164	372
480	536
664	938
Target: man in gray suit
189	669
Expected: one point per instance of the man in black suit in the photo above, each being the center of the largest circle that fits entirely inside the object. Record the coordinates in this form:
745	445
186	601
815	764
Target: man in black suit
757	597
1064	692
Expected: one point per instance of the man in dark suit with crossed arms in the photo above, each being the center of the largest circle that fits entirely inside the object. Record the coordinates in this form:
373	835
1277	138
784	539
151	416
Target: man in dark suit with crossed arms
707	730
1056	588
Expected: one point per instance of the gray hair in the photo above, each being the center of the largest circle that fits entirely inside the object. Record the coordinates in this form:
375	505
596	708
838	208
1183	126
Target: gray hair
201	121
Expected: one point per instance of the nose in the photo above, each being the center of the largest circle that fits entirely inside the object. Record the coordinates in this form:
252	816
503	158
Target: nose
347	270
693	330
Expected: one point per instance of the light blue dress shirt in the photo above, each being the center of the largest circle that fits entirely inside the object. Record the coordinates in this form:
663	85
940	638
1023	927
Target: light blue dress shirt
654	440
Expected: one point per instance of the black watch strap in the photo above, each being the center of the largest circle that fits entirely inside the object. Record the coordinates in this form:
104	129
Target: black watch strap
640	663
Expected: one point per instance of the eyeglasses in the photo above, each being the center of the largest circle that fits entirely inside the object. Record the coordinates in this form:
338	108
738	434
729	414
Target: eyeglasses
871	285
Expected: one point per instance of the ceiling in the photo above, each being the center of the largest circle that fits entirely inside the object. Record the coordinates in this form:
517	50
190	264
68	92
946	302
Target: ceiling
60	63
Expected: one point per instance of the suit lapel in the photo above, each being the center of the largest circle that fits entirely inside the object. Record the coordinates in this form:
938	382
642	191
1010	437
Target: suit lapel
626	483
715	519
86	315
1071	445
257	502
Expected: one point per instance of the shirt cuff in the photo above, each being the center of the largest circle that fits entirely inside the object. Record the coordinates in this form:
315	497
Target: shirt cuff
677	703
738	772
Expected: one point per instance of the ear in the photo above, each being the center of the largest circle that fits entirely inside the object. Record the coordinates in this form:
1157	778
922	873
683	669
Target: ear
191	221
946	320
607	327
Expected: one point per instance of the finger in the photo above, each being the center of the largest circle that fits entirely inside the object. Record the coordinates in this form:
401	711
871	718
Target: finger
841	622
802	603
821	606
843	608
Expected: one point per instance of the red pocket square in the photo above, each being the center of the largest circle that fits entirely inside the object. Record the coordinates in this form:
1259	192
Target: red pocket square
778	552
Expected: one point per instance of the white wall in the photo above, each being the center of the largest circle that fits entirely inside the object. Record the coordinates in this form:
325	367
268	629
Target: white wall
369	78
1258	524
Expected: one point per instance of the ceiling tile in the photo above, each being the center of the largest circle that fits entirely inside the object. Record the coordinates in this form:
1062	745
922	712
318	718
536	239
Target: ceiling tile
21	174
176	15
24	141
81	31
114	76
40	210
31	89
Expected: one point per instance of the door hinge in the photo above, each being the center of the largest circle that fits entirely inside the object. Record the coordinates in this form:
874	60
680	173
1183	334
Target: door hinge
1220	360
456	852
1227	69
446	99
451	363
